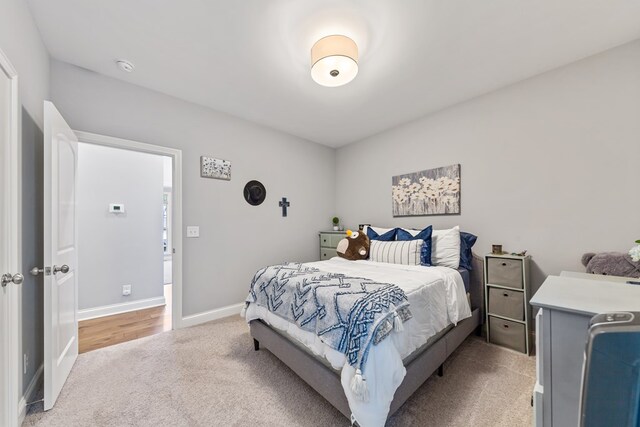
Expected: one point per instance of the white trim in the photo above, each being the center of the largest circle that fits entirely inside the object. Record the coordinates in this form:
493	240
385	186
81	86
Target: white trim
208	316
30	394
10	378
176	220
125	307
169	230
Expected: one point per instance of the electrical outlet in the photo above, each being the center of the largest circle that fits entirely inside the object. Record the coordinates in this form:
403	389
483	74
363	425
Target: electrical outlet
126	290
193	231
25	362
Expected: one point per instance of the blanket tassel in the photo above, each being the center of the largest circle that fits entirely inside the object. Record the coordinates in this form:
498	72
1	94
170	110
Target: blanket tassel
359	386
243	313
397	324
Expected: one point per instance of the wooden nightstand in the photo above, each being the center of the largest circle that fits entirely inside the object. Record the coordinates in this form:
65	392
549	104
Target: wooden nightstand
507	294
328	243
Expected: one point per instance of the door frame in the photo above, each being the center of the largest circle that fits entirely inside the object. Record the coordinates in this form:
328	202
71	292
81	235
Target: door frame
10	334
176	217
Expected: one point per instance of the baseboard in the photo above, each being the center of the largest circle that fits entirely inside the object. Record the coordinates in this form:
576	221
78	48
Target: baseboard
125	307
29	394
208	316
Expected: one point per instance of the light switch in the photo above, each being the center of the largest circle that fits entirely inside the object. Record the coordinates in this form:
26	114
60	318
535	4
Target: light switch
193	231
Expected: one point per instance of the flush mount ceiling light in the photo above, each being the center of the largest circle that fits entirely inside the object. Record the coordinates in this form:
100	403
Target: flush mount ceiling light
334	61
125	65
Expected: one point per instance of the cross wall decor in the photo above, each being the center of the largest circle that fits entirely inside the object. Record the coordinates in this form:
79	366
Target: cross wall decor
284	204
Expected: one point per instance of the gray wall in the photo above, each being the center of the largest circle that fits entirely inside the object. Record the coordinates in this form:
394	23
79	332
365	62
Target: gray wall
21	42
550	164
125	248
235	238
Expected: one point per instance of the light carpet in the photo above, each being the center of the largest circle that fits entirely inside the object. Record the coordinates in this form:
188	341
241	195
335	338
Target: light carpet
209	375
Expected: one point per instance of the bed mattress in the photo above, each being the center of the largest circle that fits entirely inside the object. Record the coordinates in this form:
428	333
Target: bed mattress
437	299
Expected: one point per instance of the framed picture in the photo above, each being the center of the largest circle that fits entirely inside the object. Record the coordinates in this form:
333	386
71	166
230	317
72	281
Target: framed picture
211	167
429	192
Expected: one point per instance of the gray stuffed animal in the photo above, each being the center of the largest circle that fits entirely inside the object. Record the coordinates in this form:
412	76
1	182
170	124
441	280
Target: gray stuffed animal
611	263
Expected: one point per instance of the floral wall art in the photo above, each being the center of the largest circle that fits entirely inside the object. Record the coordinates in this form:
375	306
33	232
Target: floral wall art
211	167
429	192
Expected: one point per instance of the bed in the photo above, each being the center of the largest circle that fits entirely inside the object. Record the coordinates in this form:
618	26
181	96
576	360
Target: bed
422	352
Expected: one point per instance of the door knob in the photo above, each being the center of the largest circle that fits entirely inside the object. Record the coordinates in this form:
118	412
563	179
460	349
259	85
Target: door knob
36	270
9	278
64	269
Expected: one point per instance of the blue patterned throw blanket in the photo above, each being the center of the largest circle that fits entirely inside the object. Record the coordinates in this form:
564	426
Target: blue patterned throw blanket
347	313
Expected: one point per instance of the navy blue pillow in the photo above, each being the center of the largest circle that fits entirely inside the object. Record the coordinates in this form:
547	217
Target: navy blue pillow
425	252
385	237
467	240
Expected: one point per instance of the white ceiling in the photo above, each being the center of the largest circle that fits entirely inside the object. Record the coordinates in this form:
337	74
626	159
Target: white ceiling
250	58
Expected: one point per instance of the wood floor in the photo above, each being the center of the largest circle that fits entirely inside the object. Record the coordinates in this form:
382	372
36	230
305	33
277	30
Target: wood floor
109	330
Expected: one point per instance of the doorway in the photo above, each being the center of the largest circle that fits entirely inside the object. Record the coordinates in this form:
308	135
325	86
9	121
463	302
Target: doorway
125	200
122	198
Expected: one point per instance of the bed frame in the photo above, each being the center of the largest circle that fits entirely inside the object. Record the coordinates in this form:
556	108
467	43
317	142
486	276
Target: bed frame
326	381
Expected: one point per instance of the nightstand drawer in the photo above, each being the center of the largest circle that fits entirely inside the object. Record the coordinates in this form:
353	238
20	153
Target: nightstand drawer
325	240
335	239
507	333
506	303
505	272
327	253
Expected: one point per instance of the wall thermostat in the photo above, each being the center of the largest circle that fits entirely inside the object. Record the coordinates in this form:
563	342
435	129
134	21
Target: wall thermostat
116	208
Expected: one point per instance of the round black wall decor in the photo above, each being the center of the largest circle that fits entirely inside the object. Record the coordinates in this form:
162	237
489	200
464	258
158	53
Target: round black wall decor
254	193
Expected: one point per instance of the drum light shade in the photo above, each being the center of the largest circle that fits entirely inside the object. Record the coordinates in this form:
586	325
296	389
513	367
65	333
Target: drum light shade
334	61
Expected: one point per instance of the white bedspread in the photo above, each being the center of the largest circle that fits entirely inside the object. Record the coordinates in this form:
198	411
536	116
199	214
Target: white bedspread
437	299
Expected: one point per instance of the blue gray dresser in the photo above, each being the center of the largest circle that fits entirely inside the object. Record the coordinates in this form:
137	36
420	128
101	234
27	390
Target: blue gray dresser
567	303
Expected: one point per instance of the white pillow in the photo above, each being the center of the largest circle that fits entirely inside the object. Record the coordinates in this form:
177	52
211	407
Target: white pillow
445	247
378	230
404	252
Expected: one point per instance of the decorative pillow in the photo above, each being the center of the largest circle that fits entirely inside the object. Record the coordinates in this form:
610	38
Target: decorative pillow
380	230
354	247
383	234
403	252
445	247
467	240
425	235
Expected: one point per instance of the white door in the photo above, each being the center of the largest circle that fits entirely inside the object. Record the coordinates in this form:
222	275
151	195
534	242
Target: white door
60	253
4	302
9	244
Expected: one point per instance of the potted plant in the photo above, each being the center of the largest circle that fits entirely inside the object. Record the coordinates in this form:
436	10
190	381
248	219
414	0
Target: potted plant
634	253
336	223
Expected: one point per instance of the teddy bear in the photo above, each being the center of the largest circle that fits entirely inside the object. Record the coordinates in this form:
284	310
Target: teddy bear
355	246
611	263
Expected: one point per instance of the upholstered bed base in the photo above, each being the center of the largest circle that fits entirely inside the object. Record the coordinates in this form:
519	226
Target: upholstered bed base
326	381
